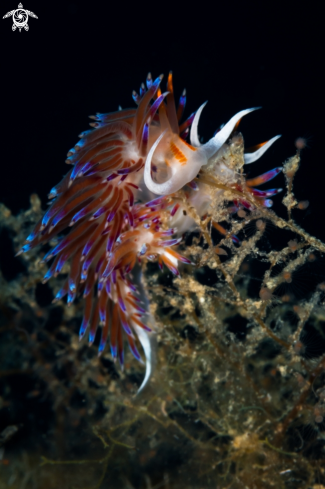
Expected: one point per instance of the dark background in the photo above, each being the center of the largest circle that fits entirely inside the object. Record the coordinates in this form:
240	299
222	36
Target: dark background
79	58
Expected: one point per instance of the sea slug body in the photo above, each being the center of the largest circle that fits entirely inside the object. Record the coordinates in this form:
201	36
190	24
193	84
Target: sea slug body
121	201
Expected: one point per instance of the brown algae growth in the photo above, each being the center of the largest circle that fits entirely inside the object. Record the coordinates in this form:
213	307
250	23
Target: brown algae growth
237	397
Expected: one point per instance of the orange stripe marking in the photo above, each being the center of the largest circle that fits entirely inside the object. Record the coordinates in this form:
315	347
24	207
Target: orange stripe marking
178	154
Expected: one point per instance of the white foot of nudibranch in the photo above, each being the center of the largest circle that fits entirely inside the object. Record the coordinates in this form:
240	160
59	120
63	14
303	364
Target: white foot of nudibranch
147	341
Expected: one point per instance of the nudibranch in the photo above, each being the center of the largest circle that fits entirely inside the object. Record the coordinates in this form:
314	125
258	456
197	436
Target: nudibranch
120	200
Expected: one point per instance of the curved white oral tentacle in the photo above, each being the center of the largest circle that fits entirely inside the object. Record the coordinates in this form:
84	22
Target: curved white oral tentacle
251	157
215	143
156	188
181	172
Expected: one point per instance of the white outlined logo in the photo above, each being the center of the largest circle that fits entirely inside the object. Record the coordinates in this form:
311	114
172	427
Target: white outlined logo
20	18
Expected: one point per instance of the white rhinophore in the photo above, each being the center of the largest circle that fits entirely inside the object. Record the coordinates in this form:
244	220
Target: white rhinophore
194	135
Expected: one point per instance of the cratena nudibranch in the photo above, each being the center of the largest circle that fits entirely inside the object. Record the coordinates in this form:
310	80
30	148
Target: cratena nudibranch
129	156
